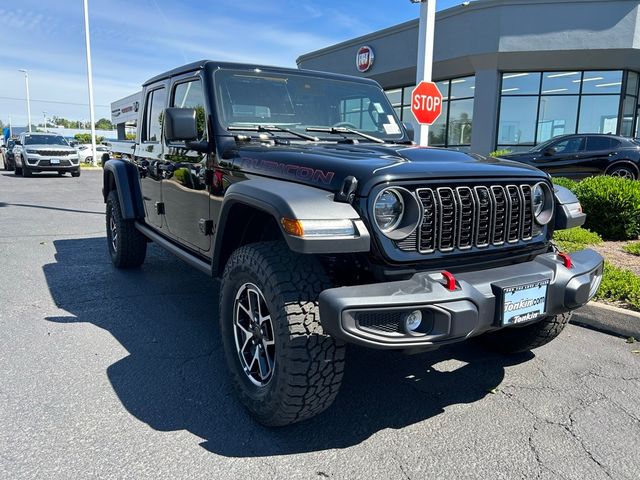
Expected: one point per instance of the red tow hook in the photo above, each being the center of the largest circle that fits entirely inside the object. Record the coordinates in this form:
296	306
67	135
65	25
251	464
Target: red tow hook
566	260
450	281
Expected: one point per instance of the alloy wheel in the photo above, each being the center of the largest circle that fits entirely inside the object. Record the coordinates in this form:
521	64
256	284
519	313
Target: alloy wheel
254	335
623	173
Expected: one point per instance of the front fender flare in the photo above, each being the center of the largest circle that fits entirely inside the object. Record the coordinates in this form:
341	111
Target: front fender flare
291	200
124	177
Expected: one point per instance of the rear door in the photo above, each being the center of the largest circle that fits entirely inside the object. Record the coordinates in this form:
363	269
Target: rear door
597	154
148	153
184	191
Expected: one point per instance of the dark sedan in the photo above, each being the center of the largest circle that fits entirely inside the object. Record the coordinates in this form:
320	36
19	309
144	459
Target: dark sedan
579	156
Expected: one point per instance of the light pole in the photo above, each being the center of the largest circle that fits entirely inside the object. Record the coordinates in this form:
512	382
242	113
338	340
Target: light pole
44	115
90	80
26	81
424	67
10	128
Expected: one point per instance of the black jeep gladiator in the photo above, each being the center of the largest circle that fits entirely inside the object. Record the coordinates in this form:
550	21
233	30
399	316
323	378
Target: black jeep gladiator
328	226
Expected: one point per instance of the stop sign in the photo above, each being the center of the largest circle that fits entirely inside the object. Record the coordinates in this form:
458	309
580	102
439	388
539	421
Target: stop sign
426	103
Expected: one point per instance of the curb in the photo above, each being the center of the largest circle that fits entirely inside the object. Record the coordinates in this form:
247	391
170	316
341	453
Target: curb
610	319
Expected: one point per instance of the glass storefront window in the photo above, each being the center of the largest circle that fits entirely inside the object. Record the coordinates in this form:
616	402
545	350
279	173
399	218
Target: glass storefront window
632	83
460	122
521	83
463	87
557	116
598	114
560	83
628	113
517	122
394	96
443	86
601	82
438	131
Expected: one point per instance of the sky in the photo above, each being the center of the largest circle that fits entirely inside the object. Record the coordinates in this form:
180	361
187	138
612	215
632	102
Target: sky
133	40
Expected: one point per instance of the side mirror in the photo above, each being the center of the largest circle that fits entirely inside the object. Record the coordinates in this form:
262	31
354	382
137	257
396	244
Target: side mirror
549	152
411	133
180	124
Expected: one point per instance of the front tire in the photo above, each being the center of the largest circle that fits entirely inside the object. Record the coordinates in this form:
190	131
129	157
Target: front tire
75	173
25	170
127	246
283	366
522	339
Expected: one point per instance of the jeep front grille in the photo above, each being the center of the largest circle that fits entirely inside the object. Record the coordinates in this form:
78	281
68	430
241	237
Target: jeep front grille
463	217
54	153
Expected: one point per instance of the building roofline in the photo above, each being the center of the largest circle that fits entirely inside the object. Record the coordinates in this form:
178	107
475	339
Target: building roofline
441	15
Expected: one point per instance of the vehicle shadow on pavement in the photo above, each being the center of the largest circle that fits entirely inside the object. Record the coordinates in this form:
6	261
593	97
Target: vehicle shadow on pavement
174	376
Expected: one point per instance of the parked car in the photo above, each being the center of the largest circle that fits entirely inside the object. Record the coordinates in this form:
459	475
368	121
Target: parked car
579	156
44	152
304	192
9	159
85	155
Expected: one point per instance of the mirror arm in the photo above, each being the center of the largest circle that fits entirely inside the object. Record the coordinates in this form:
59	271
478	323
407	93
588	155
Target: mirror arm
202	146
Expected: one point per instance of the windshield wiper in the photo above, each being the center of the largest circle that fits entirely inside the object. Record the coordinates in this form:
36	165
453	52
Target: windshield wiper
271	129
342	131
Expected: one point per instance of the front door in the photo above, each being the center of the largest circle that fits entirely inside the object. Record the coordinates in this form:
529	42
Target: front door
184	192
148	154
565	161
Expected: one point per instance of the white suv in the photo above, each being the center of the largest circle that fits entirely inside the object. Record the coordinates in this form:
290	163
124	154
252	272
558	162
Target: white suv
45	152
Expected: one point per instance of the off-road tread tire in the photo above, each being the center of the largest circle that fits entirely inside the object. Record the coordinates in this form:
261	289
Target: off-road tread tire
523	339
132	245
309	363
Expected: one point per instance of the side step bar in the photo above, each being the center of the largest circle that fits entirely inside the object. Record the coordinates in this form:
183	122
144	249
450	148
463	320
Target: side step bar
177	251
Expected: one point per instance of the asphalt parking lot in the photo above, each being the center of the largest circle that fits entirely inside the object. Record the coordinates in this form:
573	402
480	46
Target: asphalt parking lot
111	374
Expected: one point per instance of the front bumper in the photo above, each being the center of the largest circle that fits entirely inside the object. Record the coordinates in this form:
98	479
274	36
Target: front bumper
39	164
373	315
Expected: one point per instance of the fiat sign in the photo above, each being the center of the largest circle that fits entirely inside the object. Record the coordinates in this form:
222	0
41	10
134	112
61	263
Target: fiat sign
364	58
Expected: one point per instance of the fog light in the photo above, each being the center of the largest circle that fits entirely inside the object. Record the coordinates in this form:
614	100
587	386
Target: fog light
595	284
412	321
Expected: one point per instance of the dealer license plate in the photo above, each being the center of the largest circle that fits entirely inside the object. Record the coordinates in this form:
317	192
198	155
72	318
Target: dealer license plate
524	303
55	161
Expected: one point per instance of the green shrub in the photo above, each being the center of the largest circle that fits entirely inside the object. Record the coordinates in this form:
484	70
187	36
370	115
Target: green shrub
620	285
500	153
565	182
612	206
575	239
633	248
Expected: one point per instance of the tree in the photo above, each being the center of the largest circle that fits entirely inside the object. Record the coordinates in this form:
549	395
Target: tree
104	124
86	138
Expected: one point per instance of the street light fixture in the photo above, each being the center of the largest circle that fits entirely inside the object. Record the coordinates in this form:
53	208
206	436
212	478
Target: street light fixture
87	39
26	81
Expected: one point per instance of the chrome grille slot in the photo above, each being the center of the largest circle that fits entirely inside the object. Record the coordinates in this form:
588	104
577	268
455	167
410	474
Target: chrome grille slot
500	211
466	217
485	209
427	240
527	222
463	217
448	218
515	202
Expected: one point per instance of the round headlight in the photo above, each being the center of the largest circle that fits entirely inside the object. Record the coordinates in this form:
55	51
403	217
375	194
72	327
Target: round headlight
388	209
542	199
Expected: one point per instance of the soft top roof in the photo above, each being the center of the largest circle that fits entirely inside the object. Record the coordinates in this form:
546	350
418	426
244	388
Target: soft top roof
213	65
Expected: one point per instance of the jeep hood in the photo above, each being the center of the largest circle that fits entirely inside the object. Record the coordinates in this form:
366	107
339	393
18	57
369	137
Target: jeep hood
327	165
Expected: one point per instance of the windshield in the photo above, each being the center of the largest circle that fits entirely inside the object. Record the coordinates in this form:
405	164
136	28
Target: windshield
45	140
298	102
11	143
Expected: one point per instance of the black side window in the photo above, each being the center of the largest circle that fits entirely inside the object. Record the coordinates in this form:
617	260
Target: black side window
598	143
190	95
570	145
154	112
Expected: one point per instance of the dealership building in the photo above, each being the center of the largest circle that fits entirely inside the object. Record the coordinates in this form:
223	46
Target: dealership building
513	73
